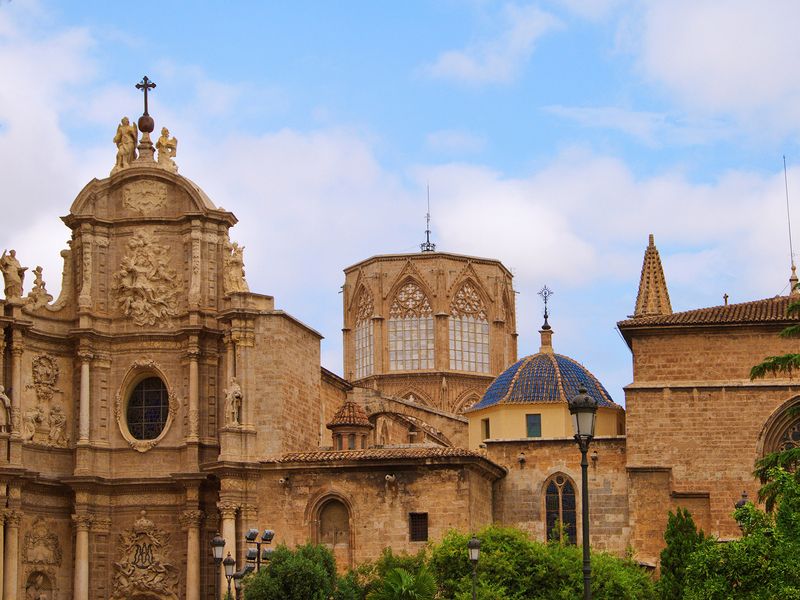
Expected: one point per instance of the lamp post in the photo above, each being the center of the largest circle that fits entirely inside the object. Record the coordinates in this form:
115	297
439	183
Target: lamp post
583	409
230	564
474	547
217	546
237	581
255	556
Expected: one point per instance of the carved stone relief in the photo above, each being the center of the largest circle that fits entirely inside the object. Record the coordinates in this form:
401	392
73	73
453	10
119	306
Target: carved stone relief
145	286
144	569
38	296
45	377
40	584
144	196
41	545
233	403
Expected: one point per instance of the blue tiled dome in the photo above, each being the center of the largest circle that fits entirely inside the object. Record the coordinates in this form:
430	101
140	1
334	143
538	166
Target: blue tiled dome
543	377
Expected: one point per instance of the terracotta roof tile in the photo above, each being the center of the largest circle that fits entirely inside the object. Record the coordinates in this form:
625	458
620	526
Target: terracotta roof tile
350	413
758	311
377	454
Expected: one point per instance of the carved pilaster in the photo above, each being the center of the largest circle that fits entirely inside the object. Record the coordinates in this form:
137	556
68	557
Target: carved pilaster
85	357
194	288
85	296
194	390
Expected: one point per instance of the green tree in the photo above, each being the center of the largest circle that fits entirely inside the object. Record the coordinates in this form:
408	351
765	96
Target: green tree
306	573
400	584
785	363
682	539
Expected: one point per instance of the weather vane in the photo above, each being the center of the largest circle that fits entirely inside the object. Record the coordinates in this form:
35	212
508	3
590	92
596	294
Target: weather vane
545	293
428	245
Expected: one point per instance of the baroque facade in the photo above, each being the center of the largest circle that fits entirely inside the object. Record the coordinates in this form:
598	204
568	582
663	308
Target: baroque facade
158	400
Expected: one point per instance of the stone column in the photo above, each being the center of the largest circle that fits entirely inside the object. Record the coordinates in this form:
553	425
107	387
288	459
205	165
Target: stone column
194	392
11	555
80	588
191	520
16	380
227	511
2	548
85	399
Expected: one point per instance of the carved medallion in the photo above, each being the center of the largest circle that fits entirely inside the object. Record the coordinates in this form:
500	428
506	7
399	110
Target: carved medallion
144	196
145	286
144	569
41	545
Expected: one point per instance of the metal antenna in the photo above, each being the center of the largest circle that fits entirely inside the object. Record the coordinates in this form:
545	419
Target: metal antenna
428	246
545	293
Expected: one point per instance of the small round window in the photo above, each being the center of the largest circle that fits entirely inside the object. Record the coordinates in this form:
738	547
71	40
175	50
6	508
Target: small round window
148	409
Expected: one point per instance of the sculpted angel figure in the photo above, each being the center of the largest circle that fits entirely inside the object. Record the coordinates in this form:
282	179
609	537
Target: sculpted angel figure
233	403
234	269
38	296
125	139
32	417
167	150
13	273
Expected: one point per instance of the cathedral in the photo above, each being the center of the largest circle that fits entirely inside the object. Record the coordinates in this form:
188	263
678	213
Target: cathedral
159	401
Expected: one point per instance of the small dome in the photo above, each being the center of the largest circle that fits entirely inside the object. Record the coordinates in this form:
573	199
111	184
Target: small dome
543	377
350	414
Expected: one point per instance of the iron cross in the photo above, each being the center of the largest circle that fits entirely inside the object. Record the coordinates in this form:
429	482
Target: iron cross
145	85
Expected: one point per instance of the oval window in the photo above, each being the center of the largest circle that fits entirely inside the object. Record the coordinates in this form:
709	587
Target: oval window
148	409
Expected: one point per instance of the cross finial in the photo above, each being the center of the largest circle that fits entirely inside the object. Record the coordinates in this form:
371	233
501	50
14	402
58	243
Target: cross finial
545	293
145	84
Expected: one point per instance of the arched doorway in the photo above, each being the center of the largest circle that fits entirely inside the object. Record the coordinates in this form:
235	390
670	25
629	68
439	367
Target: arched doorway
333	530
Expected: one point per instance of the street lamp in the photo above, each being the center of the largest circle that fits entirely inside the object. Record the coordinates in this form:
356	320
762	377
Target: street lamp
230	564
217	546
474	547
237	581
255	556
583	409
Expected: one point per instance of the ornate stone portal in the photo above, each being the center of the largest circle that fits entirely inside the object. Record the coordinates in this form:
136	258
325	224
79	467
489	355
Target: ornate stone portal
145	286
145	569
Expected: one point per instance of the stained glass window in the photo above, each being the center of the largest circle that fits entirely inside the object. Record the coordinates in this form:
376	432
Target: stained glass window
560	510
469	331
410	330
148	408
364	334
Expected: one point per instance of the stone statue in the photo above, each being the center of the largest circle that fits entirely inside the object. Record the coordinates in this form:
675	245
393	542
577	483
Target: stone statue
58	425
38	296
30	420
234	269
5	411
125	139
13	274
167	149
233	403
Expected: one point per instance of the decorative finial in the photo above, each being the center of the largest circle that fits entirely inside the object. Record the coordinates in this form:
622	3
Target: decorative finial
793	289
545	293
146	124
725	298
428	246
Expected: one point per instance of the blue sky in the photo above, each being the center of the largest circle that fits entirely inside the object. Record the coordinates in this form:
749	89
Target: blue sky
555	136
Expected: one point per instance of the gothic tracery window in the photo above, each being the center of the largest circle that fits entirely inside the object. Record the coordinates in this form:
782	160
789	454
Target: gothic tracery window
469	331
410	330
560	509
790	437
364	334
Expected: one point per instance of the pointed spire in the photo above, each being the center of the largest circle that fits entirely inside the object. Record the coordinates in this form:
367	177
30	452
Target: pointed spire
428	245
653	297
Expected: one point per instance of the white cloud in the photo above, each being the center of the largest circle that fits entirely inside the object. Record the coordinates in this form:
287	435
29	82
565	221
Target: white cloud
732	57
455	140
500	59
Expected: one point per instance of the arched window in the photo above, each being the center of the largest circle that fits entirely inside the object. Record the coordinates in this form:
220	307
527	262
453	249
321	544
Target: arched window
364	334
410	330
560	509
469	331
148	409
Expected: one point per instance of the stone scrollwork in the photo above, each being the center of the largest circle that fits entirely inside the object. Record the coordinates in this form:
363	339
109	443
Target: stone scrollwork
145	569
41	545
145	286
144	196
